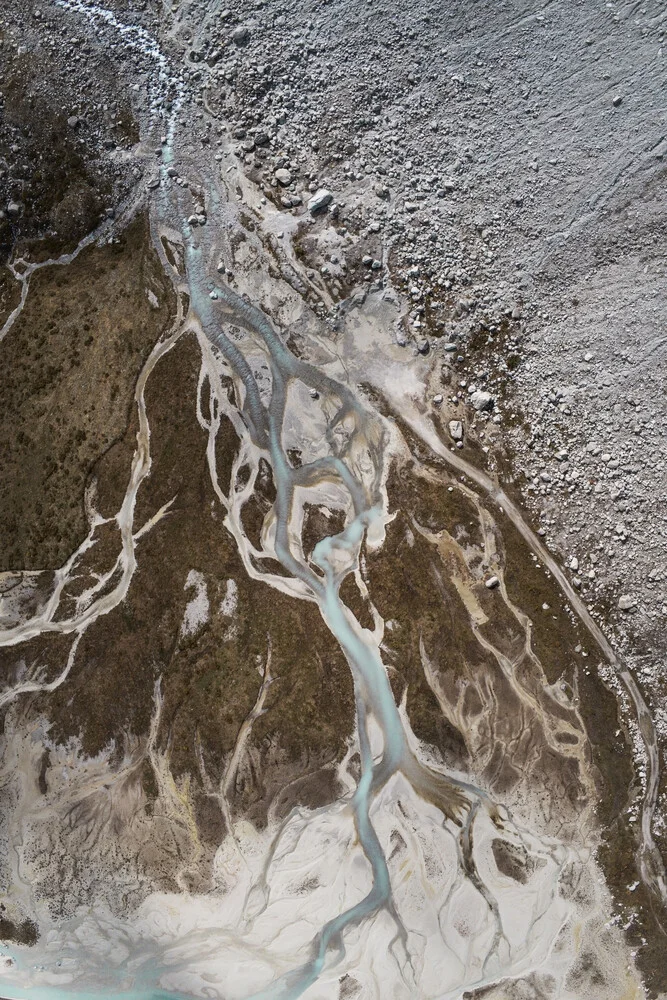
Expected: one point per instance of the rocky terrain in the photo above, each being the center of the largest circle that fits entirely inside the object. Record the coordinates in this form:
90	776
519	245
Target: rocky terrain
457	217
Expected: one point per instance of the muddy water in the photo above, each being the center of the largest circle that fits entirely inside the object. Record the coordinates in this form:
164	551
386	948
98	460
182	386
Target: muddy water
401	867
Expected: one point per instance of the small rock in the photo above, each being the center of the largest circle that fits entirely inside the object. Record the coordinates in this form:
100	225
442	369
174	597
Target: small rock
73	121
13	209
437	400
492	583
627	603
320	200
241	35
456	430
618	100
283	176
482	401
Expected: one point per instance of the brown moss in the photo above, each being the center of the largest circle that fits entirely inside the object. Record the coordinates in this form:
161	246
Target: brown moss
25	933
318	525
211	677
70	364
10	294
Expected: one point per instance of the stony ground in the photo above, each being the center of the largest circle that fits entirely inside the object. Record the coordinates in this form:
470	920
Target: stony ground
504	166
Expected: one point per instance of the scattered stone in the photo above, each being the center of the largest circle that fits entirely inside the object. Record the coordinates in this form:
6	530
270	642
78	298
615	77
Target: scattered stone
283	176
437	400
320	200
481	400
492	583
73	121
241	35
456	430
627	603
618	100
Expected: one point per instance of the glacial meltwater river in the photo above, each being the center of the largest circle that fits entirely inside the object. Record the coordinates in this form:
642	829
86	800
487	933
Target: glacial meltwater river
475	935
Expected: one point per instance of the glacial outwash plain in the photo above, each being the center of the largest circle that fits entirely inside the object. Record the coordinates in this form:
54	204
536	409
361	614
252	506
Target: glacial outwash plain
333	500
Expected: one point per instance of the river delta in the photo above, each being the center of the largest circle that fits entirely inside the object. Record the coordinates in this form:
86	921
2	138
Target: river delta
298	697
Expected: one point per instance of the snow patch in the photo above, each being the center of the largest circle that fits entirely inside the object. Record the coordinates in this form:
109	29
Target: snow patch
198	610
230	601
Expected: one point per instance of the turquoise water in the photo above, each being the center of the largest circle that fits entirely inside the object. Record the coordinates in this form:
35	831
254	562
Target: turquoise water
372	688
71	993
373	692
